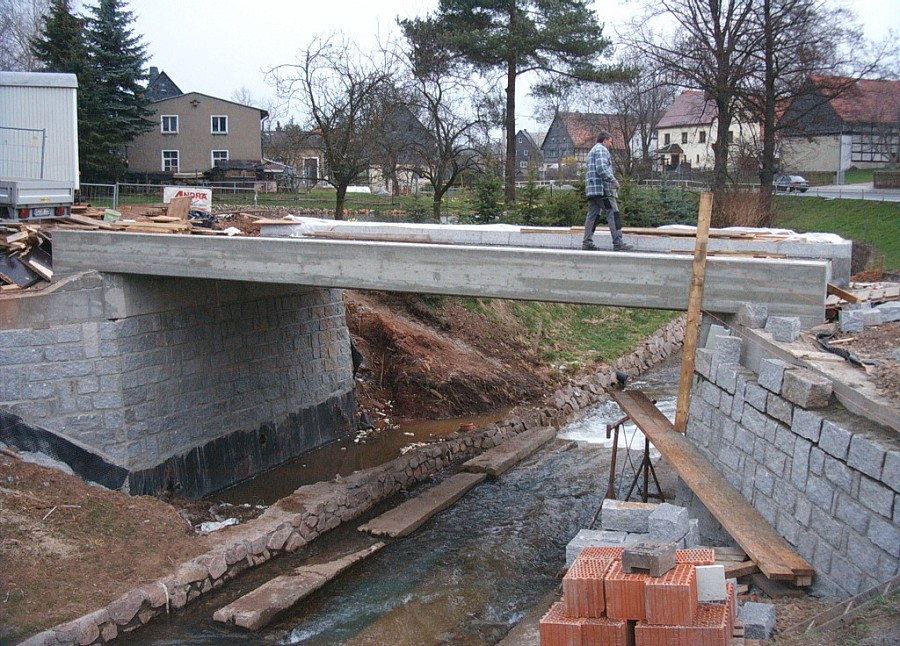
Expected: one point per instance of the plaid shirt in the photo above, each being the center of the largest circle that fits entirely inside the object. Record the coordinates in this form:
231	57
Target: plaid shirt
599	177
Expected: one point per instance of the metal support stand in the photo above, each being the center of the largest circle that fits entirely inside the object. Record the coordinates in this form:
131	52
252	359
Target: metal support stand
646	469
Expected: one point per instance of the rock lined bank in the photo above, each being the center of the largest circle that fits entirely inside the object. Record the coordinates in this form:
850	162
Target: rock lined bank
314	509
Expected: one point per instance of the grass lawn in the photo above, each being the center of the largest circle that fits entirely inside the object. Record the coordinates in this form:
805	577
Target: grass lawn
877	223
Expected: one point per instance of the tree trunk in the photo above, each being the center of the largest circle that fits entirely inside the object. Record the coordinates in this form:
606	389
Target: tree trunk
509	165
339	202
767	163
720	162
436	207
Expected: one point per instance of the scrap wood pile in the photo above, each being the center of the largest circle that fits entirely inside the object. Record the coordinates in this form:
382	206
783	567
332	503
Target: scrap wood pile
26	247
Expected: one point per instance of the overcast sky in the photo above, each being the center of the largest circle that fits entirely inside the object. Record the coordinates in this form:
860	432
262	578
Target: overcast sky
216	48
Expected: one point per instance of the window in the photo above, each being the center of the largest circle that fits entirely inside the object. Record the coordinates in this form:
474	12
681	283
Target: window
731	136
170	161
219	124
698	160
684	137
667	139
702	136
168	124
219	155
874	145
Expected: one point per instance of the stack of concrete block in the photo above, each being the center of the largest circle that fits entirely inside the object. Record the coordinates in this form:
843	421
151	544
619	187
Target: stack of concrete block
636	608
642	520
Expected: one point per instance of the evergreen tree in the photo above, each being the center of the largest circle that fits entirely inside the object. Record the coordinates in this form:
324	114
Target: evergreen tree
62	48
555	38
118	59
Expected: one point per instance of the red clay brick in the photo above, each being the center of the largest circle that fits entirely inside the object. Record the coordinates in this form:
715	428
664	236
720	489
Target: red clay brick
625	593
709	629
583	590
606	632
671	600
608	552
647	635
557	629
696	556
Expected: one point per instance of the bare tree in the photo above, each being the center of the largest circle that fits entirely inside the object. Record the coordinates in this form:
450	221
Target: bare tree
799	39
20	23
710	48
454	114
341	89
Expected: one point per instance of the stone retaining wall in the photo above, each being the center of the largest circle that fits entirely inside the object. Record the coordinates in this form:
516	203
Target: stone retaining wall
314	509
826	479
161	376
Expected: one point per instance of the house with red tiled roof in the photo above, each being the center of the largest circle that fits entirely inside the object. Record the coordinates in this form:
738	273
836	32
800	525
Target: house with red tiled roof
839	124
687	131
571	136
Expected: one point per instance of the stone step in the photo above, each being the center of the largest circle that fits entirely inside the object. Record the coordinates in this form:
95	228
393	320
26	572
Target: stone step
412	514
257	608
501	458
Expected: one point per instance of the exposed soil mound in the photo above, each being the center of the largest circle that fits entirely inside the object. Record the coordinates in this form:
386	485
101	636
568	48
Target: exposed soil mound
434	358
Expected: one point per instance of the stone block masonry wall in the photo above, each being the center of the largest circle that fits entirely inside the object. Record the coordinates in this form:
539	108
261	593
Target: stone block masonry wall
827	480
180	382
315	509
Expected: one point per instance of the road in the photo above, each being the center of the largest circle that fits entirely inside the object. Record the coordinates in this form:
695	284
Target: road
853	192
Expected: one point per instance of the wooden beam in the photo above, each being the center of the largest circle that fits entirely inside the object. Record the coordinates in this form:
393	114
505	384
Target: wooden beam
771	552
692	328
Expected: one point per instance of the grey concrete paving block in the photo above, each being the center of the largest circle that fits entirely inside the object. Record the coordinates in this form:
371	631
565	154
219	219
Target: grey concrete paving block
890	312
714	331
618	515
866	455
593	538
758	619
669	522
703	361
771	374
835	439
872	317
753	315
850	321
807	424
784	328
727	350
711	583
806	389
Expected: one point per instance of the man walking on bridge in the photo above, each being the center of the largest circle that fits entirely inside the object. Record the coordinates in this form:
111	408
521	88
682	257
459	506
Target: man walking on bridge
601	188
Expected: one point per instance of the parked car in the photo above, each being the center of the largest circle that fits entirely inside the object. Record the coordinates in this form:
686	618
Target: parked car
791	183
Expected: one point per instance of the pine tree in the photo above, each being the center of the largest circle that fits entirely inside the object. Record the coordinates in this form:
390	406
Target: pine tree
117	58
555	38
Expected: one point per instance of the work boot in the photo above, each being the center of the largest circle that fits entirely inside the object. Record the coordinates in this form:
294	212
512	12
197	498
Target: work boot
622	247
589	246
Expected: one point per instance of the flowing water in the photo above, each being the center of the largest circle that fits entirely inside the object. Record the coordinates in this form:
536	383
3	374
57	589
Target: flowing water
467	576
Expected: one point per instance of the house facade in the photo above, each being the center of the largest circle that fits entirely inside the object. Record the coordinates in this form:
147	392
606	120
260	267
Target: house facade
528	154
840	124
192	132
570	138
688	129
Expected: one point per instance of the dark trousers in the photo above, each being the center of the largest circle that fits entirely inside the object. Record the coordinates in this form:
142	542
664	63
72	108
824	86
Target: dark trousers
596	205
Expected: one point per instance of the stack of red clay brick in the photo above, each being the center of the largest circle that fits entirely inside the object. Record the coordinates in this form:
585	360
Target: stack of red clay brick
603	605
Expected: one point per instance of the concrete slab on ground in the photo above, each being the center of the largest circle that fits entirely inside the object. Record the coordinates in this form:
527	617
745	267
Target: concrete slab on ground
500	459
412	514
257	608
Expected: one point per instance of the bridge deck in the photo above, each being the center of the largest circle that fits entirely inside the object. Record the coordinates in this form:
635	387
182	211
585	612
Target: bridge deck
774	556
647	280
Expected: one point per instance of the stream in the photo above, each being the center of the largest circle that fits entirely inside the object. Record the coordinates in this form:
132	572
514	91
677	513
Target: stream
467	576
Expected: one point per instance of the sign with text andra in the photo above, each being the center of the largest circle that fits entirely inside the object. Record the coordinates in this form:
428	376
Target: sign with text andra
201	198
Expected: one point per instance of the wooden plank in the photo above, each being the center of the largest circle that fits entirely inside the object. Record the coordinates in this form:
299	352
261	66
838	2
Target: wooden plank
692	327
834	290
737	570
775	558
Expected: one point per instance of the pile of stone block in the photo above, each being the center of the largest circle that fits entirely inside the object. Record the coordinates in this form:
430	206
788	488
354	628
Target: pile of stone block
646	594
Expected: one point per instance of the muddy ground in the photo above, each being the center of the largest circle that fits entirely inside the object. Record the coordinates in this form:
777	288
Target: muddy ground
68	548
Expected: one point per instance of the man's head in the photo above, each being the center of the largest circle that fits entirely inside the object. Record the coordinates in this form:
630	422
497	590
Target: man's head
604	138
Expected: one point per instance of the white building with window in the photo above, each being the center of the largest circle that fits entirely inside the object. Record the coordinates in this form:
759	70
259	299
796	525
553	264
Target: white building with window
838	124
688	129
192	132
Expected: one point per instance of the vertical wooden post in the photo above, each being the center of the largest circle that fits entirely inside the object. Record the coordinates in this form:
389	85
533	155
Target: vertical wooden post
695	299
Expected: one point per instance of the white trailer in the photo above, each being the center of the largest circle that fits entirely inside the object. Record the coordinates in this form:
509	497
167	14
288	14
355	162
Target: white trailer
38	144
